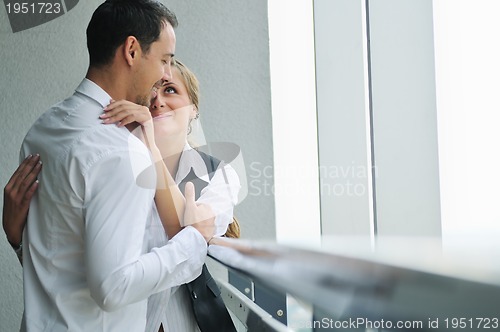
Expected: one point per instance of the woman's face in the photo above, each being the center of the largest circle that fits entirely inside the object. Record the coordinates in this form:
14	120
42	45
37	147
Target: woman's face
172	109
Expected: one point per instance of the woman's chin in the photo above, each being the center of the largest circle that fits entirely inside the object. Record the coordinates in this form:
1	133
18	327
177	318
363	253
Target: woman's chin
164	130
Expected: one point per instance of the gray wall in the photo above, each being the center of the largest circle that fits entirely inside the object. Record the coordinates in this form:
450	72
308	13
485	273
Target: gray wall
225	42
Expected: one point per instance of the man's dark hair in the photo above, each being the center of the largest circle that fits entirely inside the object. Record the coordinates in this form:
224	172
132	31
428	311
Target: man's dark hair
115	20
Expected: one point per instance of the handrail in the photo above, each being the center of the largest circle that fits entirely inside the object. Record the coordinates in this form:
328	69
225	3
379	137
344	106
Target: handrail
350	289
248	313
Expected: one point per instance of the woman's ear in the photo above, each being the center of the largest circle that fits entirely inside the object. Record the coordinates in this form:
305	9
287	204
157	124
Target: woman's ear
131	50
194	113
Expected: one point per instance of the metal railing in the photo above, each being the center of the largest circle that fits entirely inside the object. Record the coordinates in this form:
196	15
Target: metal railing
352	292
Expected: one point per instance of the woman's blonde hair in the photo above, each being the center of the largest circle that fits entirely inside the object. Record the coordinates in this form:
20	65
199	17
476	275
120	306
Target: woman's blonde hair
190	80
233	230
193	90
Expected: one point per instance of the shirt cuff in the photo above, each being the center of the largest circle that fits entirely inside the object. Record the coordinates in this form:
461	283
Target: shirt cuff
190	231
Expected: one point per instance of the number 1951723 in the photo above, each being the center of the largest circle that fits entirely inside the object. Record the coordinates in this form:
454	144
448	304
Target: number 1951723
33	8
475	323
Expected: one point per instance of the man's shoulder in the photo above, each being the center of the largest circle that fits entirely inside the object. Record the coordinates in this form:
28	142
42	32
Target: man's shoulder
72	130
102	140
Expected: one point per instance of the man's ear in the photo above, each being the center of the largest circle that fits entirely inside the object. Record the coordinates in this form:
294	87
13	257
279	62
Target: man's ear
132	50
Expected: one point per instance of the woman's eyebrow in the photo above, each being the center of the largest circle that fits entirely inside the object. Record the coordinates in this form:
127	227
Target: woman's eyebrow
166	83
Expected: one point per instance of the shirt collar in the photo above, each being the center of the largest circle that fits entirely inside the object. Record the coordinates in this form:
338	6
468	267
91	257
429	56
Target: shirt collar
190	158
94	91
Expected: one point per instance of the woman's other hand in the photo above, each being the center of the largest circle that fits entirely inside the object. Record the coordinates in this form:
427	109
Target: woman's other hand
17	196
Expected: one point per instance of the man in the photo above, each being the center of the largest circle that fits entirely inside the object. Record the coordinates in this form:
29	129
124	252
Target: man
85	263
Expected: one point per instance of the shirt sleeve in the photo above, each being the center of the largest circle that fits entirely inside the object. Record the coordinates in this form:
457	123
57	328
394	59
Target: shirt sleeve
116	209
157	238
222	195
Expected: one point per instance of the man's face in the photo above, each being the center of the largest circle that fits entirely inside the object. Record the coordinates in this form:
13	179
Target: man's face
154	66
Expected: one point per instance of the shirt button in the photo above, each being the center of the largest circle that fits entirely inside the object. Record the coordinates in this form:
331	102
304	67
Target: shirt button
194	295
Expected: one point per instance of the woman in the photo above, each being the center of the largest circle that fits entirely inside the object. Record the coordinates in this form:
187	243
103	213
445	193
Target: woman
164	129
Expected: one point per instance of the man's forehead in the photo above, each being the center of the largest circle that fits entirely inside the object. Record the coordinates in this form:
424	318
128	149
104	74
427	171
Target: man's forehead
167	39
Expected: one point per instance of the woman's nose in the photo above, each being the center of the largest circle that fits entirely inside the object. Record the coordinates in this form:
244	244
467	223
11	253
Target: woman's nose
157	102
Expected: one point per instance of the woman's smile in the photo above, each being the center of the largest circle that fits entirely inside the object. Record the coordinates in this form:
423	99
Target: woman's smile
162	115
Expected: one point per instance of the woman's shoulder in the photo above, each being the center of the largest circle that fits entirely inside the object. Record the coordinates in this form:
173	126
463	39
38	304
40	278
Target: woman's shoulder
211	162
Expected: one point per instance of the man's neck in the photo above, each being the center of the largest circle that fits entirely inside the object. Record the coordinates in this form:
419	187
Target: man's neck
106	78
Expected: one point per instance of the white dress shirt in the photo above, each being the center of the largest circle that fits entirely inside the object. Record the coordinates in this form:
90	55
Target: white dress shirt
172	307
86	264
